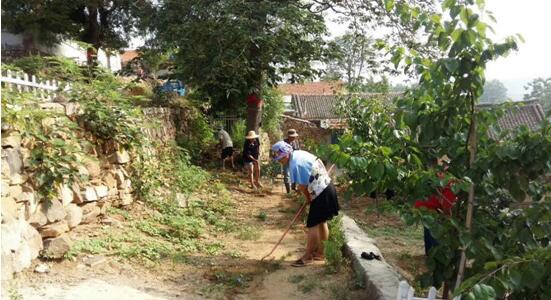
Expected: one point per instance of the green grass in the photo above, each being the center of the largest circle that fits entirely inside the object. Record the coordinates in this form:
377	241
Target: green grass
262	216
333	247
249	233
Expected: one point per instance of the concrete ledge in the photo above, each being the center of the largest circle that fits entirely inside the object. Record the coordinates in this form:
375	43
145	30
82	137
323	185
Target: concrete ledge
381	280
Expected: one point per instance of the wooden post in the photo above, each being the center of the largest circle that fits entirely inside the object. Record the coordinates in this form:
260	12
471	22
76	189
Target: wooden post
26	88
471	147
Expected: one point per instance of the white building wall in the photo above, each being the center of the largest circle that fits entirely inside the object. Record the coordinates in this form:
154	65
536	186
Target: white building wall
68	49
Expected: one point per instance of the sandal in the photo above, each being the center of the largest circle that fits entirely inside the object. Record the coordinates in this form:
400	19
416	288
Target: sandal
370	256
319	258
301	263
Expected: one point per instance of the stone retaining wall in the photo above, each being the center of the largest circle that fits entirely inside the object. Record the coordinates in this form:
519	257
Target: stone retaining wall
31	227
380	279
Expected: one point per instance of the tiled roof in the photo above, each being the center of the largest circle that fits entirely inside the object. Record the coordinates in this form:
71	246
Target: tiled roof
320	107
129	55
528	113
316	107
311	88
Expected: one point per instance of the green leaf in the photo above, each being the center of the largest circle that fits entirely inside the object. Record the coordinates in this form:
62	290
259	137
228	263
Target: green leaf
451	64
378	171
389	5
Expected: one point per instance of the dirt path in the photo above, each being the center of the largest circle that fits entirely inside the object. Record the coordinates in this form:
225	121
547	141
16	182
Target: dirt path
264	215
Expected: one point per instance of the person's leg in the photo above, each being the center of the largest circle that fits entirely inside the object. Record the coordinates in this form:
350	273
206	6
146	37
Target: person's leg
257	173
286	178
324	236
231	159
249	167
312	243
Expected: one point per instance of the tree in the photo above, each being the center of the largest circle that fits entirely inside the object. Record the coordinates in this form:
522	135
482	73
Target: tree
395	146
540	90
356	57
494	92
228	49
103	23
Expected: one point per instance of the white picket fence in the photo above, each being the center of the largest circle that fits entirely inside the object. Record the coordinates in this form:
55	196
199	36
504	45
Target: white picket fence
23	82
406	292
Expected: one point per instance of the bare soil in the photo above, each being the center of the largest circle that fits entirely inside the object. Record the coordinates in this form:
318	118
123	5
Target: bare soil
200	276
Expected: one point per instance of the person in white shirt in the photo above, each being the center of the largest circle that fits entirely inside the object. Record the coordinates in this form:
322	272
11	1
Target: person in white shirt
226	145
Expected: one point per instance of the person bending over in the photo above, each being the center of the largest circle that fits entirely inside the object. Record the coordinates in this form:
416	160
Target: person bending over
312	179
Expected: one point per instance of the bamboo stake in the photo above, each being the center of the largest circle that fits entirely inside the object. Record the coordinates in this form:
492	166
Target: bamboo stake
472	147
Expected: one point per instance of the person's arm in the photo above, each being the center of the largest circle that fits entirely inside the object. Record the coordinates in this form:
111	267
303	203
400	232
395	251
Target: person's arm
304	190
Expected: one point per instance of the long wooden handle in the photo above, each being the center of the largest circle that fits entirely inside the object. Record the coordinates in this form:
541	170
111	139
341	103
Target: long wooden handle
299	212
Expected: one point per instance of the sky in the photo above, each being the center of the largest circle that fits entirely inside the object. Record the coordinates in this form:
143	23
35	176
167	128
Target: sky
531	19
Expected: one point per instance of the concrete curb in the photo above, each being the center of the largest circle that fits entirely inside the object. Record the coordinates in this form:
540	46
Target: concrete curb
381	280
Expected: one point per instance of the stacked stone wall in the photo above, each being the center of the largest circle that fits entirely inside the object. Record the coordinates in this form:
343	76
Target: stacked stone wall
32	226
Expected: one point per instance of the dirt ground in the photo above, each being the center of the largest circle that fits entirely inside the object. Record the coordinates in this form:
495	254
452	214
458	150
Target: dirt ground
200	276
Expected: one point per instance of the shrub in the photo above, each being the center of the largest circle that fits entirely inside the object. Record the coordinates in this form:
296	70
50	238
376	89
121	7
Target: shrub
238	133
272	111
333	246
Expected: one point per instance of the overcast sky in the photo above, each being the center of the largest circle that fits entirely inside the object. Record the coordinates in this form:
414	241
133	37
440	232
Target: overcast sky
530	18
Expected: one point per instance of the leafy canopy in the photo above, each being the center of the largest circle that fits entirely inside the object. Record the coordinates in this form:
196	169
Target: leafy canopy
540	90
226	49
395	146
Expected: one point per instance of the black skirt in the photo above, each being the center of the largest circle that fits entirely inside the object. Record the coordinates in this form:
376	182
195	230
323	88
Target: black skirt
324	207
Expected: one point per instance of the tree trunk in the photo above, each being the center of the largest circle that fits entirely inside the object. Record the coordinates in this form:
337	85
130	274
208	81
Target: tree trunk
93	30
254	107
472	147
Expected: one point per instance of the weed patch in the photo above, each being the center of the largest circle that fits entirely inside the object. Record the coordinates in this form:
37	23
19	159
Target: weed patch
249	233
333	246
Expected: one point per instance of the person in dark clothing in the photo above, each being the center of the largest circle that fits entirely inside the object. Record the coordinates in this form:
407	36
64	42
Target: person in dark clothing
251	158
291	140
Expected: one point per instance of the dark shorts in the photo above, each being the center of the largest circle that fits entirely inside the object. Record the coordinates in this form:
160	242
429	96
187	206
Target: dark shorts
227	152
324	207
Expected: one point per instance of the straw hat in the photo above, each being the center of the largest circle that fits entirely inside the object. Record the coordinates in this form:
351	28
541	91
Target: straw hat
251	135
292	133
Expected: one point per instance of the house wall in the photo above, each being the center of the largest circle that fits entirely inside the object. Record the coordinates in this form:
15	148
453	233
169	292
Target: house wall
68	49
309	133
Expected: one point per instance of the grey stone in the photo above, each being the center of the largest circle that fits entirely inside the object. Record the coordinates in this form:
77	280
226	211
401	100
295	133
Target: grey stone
57	247
13	158
119	157
93	167
119	176
54	230
9	207
16	192
90	213
110	181
66	194
17	179
55	211
125	198
381	280
90	194
77	195
11	236
74	215
72	109
111	222
22	258
82	171
181	199
33	240
52	106
7	267
42	268
38	218
104	206
94	261
5	188
11	140
101	191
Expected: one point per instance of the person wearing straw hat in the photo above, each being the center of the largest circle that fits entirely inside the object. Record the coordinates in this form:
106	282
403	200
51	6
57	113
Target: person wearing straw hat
291	140
251	153
312	179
